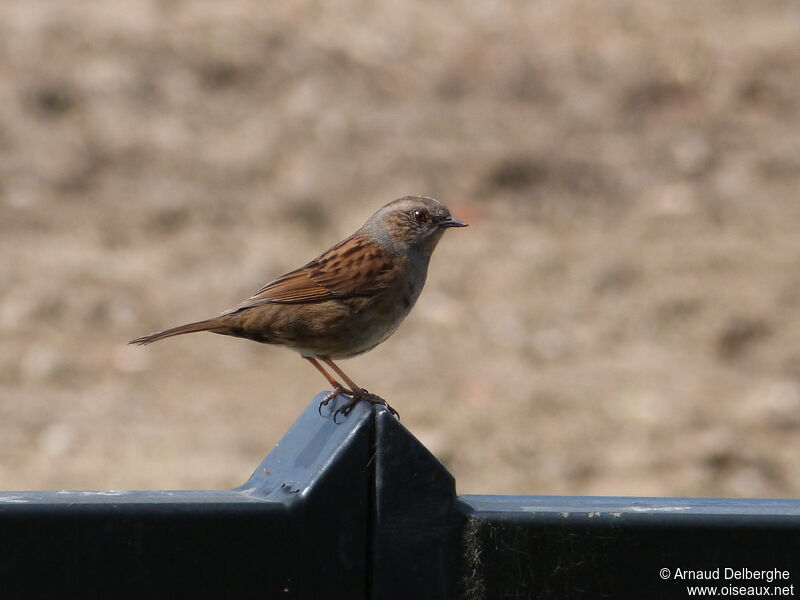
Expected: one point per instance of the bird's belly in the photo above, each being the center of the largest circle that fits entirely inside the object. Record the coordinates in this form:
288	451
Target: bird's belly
370	330
363	324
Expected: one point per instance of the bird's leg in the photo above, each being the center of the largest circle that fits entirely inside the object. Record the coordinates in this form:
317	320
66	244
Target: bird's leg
358	393
338	388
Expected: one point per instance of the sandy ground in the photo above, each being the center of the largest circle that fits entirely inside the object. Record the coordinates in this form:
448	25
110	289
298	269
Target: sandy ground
622	317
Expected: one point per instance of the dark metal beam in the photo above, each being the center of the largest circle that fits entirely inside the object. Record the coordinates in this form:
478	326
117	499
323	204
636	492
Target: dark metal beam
592	547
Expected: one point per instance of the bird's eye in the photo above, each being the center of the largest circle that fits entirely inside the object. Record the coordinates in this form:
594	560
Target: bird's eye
420	216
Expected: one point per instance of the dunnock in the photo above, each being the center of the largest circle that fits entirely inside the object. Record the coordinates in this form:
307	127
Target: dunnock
347	300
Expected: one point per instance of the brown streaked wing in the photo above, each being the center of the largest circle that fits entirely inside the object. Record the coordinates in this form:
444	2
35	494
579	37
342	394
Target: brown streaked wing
356	266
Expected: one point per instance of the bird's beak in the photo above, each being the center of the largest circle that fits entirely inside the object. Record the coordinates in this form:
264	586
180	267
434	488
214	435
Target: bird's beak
452	222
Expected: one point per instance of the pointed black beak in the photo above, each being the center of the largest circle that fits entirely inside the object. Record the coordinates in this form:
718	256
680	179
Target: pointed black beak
452	222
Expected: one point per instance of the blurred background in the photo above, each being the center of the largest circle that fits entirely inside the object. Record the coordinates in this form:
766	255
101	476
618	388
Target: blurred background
622	317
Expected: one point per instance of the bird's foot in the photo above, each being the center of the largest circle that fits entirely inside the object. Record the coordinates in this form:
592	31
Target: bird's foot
337	389
359	395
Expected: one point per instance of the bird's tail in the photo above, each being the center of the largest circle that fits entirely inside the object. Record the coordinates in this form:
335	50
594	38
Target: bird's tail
207	325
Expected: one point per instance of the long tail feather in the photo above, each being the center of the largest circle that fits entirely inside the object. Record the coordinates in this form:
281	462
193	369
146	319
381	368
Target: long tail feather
207	325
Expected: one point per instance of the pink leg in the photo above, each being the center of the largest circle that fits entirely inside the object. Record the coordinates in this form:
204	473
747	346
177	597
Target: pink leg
338	388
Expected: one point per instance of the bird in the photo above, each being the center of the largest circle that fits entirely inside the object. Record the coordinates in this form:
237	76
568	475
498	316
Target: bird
344	302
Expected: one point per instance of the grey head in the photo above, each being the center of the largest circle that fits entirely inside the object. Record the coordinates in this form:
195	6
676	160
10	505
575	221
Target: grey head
411	224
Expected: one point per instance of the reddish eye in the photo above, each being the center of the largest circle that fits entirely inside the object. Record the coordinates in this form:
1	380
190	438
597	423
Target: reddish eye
420	216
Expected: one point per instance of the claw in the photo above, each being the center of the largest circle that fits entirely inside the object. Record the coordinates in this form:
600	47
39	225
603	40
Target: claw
337	389
392	411
345	409
378	400
375	399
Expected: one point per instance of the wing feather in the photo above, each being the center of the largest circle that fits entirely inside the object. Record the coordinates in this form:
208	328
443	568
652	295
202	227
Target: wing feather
354	267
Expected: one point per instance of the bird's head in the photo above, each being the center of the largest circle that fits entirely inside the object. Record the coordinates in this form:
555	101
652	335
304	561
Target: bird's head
412	223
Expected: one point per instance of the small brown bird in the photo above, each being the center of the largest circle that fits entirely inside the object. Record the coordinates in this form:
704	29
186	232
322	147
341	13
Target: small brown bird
347	300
